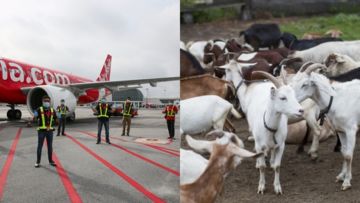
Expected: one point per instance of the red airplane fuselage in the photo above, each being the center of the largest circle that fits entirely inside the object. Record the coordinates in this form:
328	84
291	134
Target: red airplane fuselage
15	75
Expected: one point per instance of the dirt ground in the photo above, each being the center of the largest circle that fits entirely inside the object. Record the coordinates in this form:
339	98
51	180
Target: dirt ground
302	180
221	29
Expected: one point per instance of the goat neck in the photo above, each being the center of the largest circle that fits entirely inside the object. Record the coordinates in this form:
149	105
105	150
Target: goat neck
321	98
206	188
272	117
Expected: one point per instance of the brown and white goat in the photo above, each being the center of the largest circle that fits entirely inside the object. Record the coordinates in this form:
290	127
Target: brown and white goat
227	152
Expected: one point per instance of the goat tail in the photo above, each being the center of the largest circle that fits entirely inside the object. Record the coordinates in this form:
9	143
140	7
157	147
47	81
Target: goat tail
235	113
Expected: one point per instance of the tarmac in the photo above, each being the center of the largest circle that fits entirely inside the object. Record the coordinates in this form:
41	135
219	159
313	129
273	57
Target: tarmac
125	171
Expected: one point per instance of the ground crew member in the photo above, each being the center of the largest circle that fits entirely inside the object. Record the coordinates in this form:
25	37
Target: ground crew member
127	114
46	116
62	109
103	113
170	111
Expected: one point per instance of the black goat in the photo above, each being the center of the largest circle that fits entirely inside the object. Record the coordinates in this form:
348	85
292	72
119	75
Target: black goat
290	41
262	35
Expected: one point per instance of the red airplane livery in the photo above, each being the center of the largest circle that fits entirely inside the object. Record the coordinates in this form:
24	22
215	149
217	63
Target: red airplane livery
22	83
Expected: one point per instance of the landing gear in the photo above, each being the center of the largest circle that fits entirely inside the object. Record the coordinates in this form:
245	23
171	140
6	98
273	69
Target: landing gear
13	114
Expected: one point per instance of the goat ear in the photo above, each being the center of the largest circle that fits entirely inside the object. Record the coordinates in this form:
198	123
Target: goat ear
243	153
273	92
201	146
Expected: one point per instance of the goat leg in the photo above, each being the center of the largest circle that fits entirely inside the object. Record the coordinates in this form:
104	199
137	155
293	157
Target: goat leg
229	126
337	147
304	141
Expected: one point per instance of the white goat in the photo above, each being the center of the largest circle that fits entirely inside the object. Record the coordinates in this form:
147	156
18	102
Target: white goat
342	112
182	45
267	106
339	63
200	114
207	181
318	53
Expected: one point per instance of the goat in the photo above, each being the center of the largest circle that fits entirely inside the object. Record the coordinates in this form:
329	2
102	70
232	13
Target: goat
203	180
339	63
267	106
197	49
200	114
291	42
339	100
319	53
189	66
205	85
208	85
262	35
233	46
182	45
334	33
312	35
272	57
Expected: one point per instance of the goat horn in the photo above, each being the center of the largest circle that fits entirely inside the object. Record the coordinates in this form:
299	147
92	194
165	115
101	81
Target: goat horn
287	60
268	76
304	66
283	74
314	67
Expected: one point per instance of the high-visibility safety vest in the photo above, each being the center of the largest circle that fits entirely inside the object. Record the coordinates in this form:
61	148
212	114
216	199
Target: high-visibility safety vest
42	114
127	112
103	114
62	111
170	113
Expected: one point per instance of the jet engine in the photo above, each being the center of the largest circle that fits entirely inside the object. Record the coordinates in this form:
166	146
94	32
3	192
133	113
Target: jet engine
35	95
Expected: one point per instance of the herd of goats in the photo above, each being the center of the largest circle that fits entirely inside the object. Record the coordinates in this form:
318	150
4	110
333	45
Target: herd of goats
286	88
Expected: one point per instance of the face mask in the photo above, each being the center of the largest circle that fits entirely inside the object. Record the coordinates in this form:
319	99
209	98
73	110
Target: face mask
46	104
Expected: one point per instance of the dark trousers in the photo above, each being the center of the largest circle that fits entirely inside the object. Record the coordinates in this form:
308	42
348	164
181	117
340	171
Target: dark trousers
62	123
171	127
49	139
102	122
126	124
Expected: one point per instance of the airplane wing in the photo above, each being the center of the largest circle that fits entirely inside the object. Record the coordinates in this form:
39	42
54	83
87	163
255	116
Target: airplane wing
123	83
77	88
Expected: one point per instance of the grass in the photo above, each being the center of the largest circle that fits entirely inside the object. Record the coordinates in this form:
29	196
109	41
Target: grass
214	14
349	24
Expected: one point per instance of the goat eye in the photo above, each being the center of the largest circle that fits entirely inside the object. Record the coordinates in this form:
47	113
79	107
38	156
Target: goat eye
283	98
304	85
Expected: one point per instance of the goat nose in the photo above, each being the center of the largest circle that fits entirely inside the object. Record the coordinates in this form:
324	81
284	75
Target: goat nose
301	111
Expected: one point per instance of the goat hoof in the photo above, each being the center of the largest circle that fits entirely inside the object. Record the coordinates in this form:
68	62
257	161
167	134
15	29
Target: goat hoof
261	189
313	156
345	186
278	190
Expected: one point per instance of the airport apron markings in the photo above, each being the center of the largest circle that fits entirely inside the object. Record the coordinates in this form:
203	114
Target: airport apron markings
69	187
9	159
137	155
163	150
159	148
117	171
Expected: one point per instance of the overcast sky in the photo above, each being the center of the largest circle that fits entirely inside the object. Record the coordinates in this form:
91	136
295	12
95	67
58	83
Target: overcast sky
76	35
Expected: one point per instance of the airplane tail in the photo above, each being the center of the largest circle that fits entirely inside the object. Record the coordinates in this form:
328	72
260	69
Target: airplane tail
106	70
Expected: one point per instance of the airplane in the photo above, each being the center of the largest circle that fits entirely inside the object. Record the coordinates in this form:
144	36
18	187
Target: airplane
22	83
